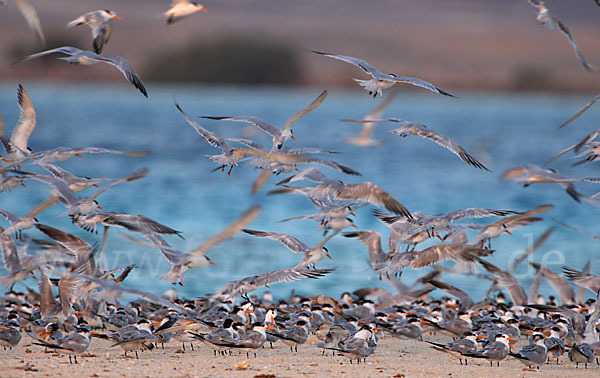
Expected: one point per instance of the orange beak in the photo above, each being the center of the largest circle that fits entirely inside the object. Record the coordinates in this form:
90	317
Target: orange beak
3	327
267	286
117	18
78	155
393	315
439	237
353	225
96	185
508	232
481	336
95	333
100	207
155	324
6	160
352	213
212	263
249	311
271	328
81	313
512	339
328	255
204	10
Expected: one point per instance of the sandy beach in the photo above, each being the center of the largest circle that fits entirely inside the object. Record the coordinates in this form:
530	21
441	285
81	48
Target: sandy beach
393	358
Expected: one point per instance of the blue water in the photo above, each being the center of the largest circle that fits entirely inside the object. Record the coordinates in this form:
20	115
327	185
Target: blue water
503	130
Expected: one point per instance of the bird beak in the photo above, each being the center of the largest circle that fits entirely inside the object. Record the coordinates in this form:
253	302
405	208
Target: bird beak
116	280
204	10
43	333
117	18
23	184
508	232
100	207
377	329
439	237
393	315
212	263
81	313
352	213
6	160
511	347
78	155
424	322
96	185
249	311
512	339
3	327
474	313
96	333
291	136
328	255
271	328
353	225
481	336
155	324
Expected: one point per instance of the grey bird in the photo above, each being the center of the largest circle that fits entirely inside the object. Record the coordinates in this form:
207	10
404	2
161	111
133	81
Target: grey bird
533	354
77	56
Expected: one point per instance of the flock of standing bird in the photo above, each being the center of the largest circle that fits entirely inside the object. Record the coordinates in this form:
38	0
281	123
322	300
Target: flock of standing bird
229	320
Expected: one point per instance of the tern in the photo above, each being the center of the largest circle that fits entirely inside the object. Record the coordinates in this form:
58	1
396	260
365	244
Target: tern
77	56
549	20
32	19
413	128
311	255
381	81
182	8
100	22
279	136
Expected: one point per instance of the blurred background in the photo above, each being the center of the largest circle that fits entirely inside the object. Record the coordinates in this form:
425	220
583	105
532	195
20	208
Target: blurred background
466	44
516	81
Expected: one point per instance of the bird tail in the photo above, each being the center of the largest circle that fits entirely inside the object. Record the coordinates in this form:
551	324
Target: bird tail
371	86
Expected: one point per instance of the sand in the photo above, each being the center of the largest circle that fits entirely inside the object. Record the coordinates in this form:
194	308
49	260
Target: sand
393	357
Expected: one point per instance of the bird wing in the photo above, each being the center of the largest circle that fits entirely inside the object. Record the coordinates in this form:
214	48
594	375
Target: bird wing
125	68
565	30
506	280
227	233
47	301
363	65
369	192
263	125
420	83
209	136
466	302
558	283
27	120
586	107
372	240
101	32
289	241
67	50
10	255
78	246
448	144
312	106
31	16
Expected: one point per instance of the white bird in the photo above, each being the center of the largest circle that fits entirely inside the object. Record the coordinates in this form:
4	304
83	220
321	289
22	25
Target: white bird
85	57
546	18
381	81
100	22
182	8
